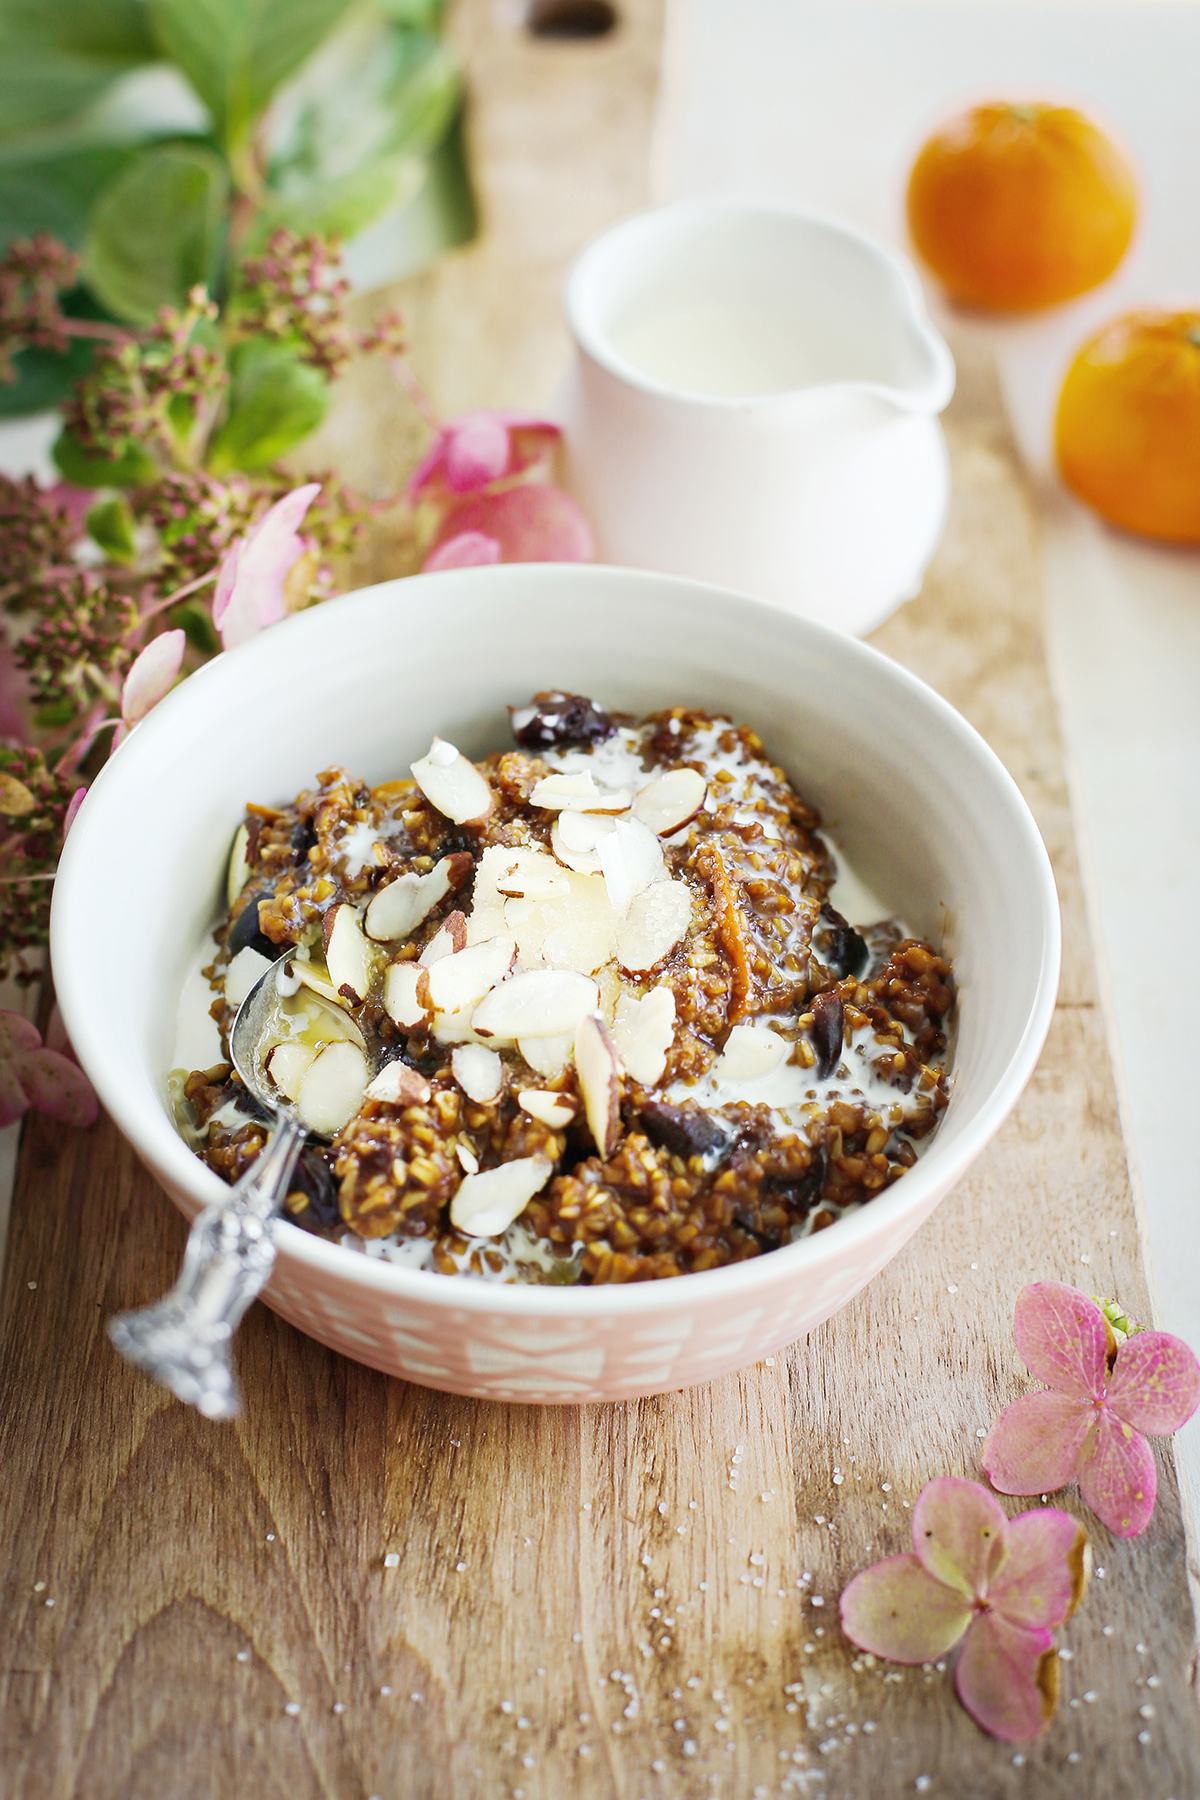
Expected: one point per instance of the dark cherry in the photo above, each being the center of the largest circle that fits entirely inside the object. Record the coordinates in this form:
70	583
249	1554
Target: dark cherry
827	1033
685	1131
313	1177
244	934
838	945
555	721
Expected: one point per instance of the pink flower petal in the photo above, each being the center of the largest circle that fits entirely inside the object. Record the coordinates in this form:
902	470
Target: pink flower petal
537	523
1117	1477
469	550
74	501
898	1610
1045	1572
14	693
958	1533
56	1035
250	592
152	675
57	1087
429	466
1035	1444
1007	1678
13	1099
1155	1384
17	1034
1059	1333
478	449
72	812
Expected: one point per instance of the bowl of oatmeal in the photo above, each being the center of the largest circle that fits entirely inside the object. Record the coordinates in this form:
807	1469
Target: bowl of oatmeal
649	965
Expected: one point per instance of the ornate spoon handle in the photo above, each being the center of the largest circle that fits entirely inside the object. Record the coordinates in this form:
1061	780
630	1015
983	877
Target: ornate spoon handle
185	1339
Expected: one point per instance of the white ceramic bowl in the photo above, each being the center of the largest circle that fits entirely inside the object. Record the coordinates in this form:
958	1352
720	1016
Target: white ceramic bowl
920	805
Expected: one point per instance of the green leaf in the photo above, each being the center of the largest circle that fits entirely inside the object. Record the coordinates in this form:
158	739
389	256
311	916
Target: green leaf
236	53
345	205
41	86
116	28
277	400
110	525
195	620
440	217
59	712
56	195
157	231
83	468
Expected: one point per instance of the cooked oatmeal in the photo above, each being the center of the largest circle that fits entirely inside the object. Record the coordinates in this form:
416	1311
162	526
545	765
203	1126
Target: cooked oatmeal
582	1012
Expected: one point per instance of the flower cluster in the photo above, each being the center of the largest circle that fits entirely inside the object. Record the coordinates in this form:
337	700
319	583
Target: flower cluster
37	532
80	642
296	293
160	390
33	273
35	801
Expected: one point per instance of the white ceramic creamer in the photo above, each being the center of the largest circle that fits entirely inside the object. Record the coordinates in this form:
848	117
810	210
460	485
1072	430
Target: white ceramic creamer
754	402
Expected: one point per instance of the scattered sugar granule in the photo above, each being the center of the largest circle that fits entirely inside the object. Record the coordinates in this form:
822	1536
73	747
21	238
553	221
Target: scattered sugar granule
392	1560
292	1708
461	1567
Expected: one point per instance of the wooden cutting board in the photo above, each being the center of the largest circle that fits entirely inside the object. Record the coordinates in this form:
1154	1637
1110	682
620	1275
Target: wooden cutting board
640	1600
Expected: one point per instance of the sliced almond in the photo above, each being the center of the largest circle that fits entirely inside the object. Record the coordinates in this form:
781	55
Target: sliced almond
553	792
238	872
315	976
532	875
332	1089
670	801
247	967
479	1072
453	784
656	920
400	1084
583	831
643	1032
535	1003
397	909
552	1109
347	954
750	1053
324	1021
451	937
576	931
547	1056
599	1081
486	1204
467	1158
287	1066
406	994
487	902
458	983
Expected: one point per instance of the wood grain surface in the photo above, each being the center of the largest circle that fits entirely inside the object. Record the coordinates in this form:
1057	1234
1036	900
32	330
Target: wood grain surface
634	1601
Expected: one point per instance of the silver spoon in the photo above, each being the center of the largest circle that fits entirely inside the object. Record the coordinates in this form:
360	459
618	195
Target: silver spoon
185	1340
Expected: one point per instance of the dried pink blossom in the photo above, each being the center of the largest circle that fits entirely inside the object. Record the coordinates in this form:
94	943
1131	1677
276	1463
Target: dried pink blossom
31	1075
1088	1421
250	581
1000	1584
535	523
480	447
469	550
152	676
14	692
76	801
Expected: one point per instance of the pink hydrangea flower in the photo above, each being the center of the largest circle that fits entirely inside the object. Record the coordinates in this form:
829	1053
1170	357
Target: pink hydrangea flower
250	592
469	550
1087	1421
31	1075
531	523
1001	1585
480	447
151	677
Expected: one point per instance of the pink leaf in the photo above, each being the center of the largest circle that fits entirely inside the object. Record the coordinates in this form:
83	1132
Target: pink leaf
56	1035
1155	1384
1034	1445
250	592
898	1610
1007	1678
477	451
1046	1571
536	523
1117	1477
72	812
469	550
152	675
1060	1335
958	1533
17	1034
13	1099
57	1087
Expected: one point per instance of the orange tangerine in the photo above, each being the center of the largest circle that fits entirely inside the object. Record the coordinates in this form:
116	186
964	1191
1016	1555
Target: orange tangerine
1015	207
1128	427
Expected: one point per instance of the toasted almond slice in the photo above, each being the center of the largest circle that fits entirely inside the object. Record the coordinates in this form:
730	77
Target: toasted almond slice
451	937
553	792
458	983
643	1032
576	931
580	831
535	1003
315	976
325	1021
332	1089
287	1066
453	784
247	967
749	1053
238	873
399	1083
348	956
599	1081
406	994
397	909
656	920
479	1072
670	801
547	1056
551	1108
486	1204
467	1158
532	875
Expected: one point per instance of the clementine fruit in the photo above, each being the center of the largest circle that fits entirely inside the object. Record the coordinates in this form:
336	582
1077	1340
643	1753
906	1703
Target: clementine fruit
1015	207
1128	426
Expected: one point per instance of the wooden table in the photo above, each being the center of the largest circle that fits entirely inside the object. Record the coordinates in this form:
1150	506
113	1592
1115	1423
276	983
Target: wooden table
639	1600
